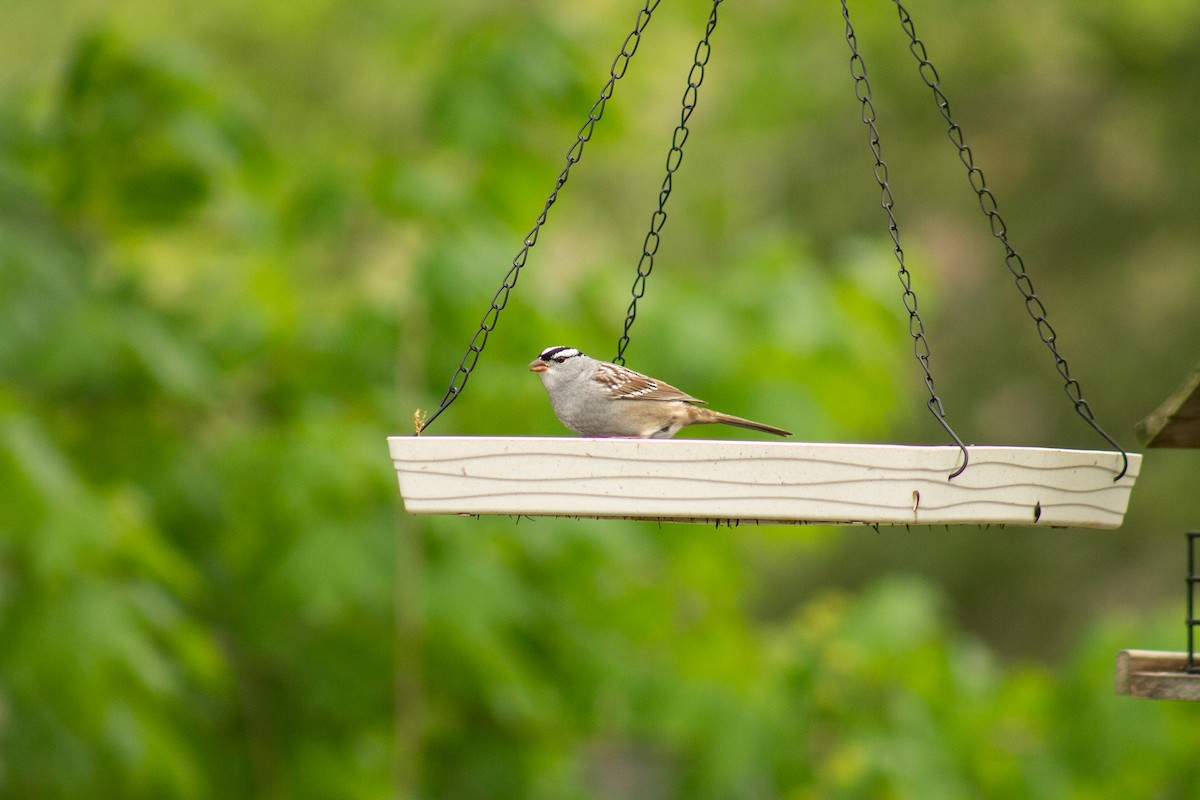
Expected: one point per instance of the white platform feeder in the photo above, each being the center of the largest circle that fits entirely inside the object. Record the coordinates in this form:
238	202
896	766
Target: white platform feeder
761	482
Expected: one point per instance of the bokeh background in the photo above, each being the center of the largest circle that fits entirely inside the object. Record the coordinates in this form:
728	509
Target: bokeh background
241	243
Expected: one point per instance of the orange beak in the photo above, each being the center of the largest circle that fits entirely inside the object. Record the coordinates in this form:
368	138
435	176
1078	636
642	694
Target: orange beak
537	365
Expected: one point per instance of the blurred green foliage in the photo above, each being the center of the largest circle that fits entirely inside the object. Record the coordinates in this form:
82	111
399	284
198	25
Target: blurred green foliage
241	243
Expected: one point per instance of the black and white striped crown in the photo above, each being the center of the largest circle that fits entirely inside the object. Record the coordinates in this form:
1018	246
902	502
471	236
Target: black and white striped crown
559	354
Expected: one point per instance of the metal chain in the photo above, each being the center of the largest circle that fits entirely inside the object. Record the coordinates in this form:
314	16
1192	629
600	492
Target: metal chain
1014	262
674	159
916	329
1193	580
500	299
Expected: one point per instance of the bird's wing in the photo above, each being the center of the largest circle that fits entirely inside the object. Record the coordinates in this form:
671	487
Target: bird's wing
625	384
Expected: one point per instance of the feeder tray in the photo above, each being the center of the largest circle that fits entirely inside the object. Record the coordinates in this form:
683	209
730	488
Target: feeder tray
1156	675
692	480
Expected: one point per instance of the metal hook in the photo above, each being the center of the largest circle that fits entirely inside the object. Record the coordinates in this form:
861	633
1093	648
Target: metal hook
965	456
1096	426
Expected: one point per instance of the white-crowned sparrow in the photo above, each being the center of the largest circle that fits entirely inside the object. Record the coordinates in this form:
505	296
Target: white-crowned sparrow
596	398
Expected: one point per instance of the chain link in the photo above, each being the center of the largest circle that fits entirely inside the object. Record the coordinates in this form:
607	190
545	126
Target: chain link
916	328
674	159
500	299
1016	265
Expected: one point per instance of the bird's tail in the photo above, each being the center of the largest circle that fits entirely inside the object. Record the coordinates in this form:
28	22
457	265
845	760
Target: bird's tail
729	419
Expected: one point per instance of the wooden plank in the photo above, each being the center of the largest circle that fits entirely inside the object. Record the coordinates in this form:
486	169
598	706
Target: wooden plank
769	482
1156	675
1133	661
1176	423
1165	686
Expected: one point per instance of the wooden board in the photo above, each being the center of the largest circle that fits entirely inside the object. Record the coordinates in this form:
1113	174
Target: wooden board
1156	675
769	482
1176	423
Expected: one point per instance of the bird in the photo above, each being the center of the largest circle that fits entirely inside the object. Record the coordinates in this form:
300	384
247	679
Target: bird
600	399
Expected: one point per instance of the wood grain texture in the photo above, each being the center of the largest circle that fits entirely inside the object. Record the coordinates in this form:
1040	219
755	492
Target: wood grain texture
771	482
1156	675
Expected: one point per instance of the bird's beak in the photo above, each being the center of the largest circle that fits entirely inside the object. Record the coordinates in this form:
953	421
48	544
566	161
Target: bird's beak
537	365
